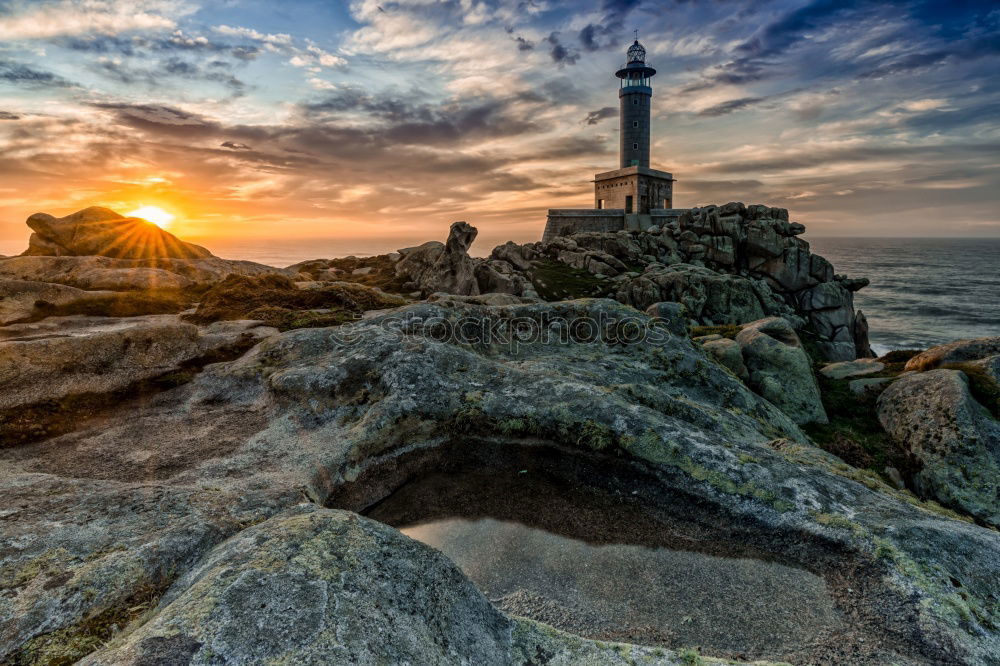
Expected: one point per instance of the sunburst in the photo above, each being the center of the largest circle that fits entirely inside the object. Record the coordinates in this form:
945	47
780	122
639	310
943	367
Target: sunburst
154	214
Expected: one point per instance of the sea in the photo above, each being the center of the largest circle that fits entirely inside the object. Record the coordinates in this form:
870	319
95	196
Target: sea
923	291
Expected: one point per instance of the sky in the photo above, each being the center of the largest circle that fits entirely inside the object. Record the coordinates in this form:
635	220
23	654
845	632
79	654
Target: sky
376	123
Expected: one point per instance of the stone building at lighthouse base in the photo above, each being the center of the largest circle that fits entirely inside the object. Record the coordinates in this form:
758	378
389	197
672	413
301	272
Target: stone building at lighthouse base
633	198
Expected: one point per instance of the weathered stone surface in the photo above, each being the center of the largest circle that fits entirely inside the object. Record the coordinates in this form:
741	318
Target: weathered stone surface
957	441
61	356
671	315
845	369
710	297
780	369
316	586
433	267
955	352
98	231
867	385
128	274
729	354
342	416
18	297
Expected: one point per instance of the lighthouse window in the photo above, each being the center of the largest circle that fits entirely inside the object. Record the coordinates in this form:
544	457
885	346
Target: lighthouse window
635	123
635	101
635	146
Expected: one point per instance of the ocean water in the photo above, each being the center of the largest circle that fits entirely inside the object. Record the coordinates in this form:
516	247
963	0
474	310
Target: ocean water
923	291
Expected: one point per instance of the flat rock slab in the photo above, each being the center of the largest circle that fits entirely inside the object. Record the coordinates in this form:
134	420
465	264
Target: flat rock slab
847	369
862	386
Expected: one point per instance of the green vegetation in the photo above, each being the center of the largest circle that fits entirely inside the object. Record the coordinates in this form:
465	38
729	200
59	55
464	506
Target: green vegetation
726	330
854	432
554	280
690	657
69	645
276	300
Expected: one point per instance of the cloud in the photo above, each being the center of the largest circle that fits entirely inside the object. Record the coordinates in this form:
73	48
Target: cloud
314	56
233	145
560	53
142	46
27	76
7	115
730	106
597	116
174	67
43	20
611	25
279	39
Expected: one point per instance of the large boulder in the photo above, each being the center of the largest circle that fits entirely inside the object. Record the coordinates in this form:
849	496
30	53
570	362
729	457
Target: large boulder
435	267
107	273
99	231
934	415
18	298
195	493
780	370
959	351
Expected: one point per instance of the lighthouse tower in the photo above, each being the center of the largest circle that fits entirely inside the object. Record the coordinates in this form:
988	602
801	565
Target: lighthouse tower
634	196
634	187
634	98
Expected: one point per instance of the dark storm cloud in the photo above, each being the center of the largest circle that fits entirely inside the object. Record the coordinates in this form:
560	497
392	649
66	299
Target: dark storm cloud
730	106
608	32
232	145
971	49
560	53
791	161
138	46
408	120
173	68
17	73
759	57
522	43
597	116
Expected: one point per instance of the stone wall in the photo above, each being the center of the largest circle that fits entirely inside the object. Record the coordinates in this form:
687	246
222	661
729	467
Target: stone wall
565	221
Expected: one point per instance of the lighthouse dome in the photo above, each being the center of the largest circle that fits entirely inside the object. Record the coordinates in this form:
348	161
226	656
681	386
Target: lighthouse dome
636	53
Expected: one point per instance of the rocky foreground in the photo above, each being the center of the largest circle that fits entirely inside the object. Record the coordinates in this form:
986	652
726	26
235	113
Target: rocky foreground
185	472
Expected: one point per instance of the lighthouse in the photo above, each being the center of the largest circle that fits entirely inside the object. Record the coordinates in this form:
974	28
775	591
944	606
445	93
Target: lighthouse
634	187
635	196
634	97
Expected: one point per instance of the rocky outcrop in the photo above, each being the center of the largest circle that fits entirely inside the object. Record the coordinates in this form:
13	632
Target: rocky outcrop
63	356
99	231
197	492
97	273
435	267
780	370
729	264
934	415
19	297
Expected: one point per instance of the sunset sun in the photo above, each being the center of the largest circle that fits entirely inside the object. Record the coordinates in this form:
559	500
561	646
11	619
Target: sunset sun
157	216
